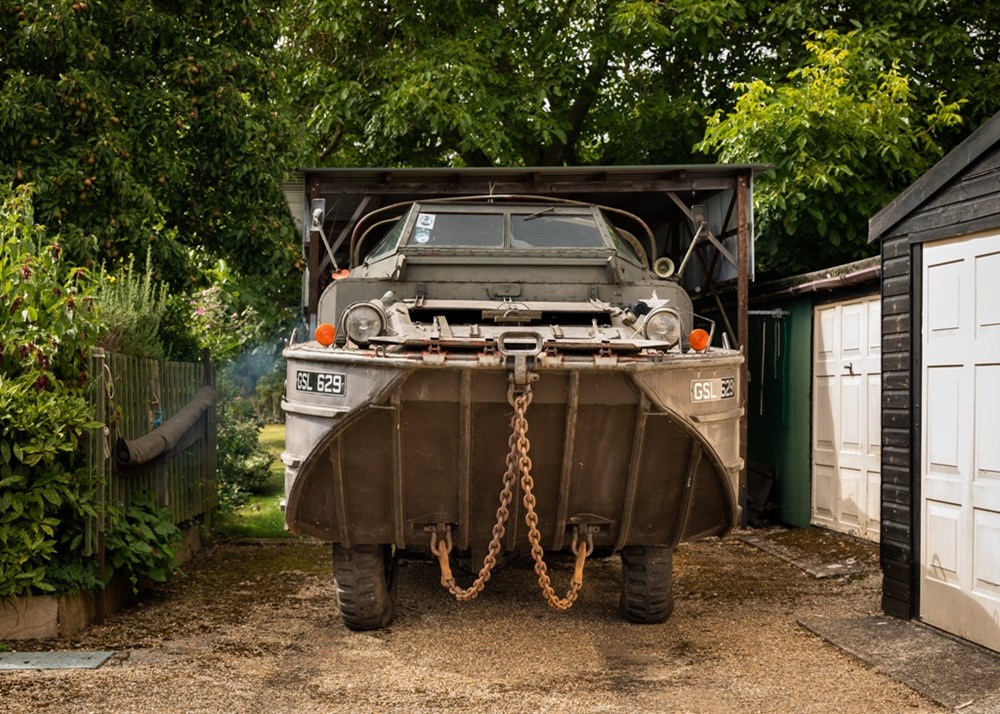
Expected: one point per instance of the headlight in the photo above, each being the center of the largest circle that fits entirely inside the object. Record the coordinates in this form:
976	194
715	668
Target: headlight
363	322
663	325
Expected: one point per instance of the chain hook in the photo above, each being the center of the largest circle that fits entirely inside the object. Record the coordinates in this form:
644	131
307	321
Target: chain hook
518	464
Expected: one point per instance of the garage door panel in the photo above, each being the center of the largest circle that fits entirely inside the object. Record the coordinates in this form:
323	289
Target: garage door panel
942	410
852	400
874	420
988	294
824	490
986	565
944	304
853	332
823	421
985	493
851	495
874	505
987	391
941	539
825	348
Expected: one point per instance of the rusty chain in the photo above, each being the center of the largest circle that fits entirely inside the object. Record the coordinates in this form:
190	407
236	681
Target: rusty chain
441	547
518	461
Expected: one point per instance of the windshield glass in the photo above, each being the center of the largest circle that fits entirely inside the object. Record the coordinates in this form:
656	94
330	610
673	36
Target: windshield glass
538	230
388	243
622	246
469	230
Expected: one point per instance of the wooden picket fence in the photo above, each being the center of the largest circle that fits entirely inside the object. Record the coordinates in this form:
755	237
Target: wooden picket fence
130	397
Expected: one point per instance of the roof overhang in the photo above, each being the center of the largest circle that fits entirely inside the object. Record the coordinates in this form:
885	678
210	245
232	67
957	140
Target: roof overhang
936	177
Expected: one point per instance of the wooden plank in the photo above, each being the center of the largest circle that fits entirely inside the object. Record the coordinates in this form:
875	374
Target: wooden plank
952	214
898	247
896	418
984	182
892	267
895	324
898	381
896	304
895	285
976	223
486	187
895	342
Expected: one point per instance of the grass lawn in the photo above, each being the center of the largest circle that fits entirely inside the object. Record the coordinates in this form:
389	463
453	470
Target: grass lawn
261	517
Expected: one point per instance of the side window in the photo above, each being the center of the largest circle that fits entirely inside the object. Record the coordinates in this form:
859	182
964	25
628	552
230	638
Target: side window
468	230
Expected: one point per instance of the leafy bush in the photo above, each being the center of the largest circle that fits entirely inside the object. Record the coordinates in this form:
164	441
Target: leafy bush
132	310
243	462
48	322
140	540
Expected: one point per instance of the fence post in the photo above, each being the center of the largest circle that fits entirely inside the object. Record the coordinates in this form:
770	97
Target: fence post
209	461
99	463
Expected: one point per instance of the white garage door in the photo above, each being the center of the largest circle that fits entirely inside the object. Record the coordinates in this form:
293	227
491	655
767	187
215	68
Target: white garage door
960	486
846	443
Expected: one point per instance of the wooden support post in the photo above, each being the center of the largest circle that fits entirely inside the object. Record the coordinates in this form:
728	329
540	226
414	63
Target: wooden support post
315	271
743	324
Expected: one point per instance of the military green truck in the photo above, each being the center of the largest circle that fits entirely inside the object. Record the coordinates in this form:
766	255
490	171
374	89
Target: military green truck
460	324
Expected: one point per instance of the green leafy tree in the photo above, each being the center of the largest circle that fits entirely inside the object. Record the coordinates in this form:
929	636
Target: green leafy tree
440	82
155	126
844	133
445	82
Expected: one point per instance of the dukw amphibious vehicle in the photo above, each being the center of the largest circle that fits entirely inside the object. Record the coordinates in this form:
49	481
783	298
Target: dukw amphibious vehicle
461	323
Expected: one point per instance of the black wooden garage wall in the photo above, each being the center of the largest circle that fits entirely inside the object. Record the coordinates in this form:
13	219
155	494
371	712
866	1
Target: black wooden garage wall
959	196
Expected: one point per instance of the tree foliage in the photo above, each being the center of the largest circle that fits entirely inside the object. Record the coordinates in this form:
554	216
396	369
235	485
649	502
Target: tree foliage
844	134
150	125
447	82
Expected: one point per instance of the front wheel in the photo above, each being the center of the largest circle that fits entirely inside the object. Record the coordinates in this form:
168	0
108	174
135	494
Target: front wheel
365	578
647	583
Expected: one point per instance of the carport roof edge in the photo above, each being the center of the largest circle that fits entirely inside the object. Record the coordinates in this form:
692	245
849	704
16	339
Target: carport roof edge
540	172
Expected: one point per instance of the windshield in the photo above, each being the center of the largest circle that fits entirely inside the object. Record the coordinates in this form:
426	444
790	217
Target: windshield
470	230
388	243
538	230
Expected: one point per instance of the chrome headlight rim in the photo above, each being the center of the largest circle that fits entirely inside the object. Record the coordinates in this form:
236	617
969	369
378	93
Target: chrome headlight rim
660	313
350	330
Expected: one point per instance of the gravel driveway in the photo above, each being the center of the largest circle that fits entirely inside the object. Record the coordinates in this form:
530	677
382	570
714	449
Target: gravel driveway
254	628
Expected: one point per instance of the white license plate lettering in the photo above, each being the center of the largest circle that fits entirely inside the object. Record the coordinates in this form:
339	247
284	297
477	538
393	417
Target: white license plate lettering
710	390
321	382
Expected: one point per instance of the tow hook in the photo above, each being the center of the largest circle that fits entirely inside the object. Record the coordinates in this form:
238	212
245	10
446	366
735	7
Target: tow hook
520	351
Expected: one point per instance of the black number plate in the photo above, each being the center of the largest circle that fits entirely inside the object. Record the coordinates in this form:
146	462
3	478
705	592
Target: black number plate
321	382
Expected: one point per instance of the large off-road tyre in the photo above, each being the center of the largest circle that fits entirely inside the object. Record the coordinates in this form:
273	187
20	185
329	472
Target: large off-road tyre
647	583
365	578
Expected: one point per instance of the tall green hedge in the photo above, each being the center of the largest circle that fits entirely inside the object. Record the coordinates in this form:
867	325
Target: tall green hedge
48	323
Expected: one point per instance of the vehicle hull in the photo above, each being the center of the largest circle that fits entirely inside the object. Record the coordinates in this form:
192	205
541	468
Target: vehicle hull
642	449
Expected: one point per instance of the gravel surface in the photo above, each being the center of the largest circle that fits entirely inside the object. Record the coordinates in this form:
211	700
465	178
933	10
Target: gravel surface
254	628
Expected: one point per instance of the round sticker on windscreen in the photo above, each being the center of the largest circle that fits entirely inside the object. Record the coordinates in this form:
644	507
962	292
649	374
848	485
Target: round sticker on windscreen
422	237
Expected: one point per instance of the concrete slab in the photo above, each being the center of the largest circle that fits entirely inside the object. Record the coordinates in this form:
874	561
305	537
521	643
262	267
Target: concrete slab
54	660
816	564
954	673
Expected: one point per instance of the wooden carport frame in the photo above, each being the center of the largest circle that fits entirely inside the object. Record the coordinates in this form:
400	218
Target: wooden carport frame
660	195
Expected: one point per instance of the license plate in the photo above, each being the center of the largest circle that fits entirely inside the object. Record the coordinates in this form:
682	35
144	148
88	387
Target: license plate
320	382
710	390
